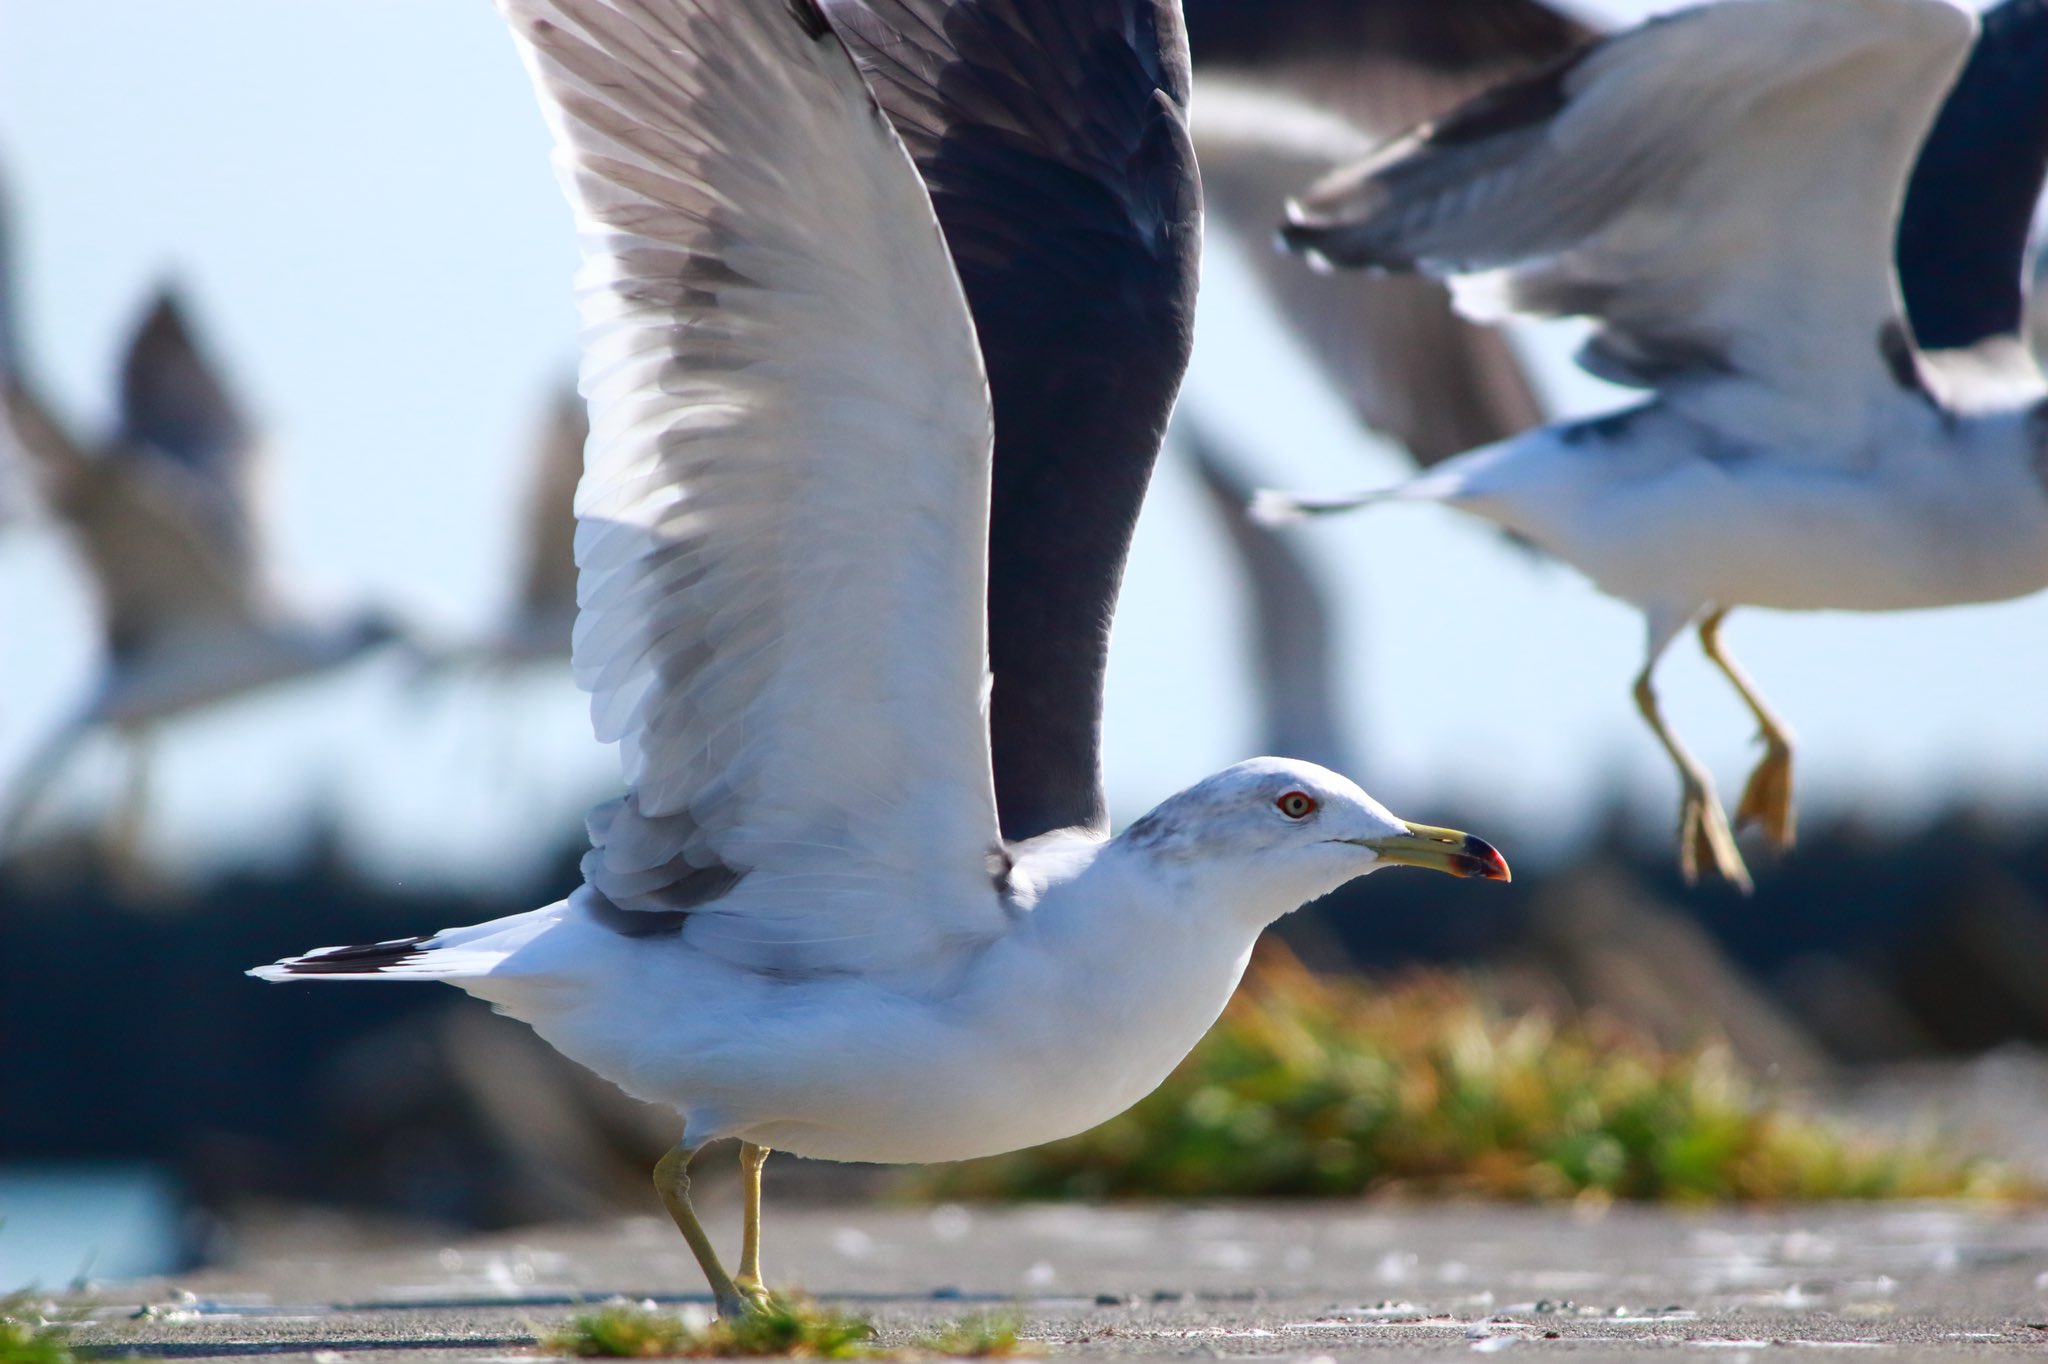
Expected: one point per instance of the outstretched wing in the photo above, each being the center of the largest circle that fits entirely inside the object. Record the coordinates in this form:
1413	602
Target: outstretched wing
1969	209
783	515
1052	136
1717	188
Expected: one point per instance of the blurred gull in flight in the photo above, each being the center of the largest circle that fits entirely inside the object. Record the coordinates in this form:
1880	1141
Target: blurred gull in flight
804	926
163	515
1720	190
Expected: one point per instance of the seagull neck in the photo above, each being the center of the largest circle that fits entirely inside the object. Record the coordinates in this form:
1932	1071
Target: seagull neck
1127	890
1135	948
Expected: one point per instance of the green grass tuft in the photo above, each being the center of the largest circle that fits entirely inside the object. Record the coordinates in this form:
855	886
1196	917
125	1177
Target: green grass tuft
1318	1087
29	1335
792	1327
989	1335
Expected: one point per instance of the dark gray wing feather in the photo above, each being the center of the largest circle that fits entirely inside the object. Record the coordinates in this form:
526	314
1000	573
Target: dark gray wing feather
1970	205
1052	137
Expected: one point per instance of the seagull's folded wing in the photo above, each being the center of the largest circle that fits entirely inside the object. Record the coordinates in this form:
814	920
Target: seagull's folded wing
783	515
1719	189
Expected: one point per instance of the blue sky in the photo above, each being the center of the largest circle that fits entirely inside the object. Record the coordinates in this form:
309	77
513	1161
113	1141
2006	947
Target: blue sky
355	196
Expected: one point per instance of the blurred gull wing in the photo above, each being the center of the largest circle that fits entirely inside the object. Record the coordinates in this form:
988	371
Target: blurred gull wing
177	415
1652	183
547	577
783	517
1283	91
1293	630
1969	212
2037	310
1381	65
15	401
1052	136
149	526
160	573
1411	368
174	402
163	513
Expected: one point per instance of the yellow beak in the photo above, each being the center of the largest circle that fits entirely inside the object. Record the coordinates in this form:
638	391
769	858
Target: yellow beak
1450	850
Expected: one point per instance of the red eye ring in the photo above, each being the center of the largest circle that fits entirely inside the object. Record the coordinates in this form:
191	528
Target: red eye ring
1296	805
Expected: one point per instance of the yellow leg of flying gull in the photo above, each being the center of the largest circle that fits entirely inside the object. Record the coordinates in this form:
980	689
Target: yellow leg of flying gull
1703	833
1767	799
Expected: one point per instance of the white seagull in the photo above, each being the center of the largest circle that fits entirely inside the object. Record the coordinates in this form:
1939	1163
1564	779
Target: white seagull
1719	190
802	926
163	513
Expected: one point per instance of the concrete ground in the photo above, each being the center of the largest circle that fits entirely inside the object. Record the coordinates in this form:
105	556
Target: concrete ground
1279	1281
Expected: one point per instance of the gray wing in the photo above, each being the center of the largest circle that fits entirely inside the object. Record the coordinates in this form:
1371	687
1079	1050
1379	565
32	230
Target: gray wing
175	410
1283	91
1686	184
782	523
165	557
1410	367
1969	210
1380	65
2037	310
1293	626
547	576
1051	136
14	479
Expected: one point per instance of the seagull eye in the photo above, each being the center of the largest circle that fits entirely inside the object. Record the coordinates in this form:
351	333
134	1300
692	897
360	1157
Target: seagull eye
1296	805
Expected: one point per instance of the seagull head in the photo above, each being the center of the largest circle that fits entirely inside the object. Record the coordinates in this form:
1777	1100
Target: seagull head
1271	834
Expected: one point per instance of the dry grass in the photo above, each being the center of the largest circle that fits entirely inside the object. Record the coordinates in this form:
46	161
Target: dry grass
1318	1087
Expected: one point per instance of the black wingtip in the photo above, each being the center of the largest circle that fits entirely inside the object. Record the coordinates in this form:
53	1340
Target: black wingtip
365	957
1330	246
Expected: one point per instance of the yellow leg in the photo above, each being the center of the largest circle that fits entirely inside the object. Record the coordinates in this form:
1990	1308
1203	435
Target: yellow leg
752	1157
1703	832
672	1182
1767	798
